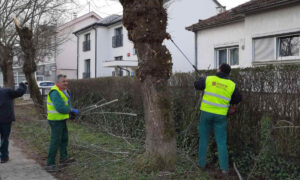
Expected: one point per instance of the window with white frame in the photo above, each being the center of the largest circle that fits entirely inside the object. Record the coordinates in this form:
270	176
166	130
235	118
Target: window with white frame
87	69
276	47
289	46
134	51
118	58
87	42
117	39
229	55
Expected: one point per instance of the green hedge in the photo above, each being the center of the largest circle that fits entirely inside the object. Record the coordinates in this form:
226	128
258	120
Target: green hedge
271	99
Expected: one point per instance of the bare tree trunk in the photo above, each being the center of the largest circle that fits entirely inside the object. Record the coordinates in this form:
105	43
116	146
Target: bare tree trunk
146	22
6	65
29	67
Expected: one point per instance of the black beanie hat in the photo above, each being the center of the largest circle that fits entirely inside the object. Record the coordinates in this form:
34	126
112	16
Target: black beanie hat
225	68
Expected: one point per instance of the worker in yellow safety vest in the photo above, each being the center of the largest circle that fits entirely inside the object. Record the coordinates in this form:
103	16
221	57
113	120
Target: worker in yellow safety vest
58	109
220	93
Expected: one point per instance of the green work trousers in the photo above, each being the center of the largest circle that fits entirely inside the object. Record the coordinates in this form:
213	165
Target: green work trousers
59	141
4	134
218	122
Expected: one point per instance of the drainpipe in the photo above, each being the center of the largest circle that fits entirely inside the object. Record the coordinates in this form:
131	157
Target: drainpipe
196	49
95	51
77	56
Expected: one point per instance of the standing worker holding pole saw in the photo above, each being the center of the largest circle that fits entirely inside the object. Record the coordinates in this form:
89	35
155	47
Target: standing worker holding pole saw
220	93
219	100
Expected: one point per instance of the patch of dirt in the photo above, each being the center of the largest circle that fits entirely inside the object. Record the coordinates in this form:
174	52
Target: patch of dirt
26	113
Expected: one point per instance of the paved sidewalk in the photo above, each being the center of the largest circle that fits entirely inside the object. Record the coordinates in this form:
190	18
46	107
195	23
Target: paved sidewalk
19	167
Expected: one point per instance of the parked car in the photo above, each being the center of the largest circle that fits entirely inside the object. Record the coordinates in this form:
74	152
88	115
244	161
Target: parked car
45	86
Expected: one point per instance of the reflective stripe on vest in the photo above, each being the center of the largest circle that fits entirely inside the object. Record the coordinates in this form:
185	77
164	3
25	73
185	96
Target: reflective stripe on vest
52	114
217	95
215	104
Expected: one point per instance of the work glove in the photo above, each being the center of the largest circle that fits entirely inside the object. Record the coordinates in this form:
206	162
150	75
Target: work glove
22	84
232	109
75	111
72	116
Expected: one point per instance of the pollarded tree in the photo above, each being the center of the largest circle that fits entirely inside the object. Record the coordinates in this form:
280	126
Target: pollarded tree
146	22
36	34
29	66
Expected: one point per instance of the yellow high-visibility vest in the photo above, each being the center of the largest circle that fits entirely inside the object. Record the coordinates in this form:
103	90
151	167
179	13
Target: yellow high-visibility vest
217	95
52	114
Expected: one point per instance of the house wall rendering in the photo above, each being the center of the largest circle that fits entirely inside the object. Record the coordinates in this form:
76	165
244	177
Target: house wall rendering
107	54
87	53
217	38
66	57
182	13
259	39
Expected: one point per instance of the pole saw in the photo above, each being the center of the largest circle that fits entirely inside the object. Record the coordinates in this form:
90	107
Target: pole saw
170	38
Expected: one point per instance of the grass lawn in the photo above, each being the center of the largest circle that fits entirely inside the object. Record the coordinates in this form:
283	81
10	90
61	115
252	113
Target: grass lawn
98	155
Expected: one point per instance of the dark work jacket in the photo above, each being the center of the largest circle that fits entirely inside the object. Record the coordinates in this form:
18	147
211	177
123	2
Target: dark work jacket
236	96
6	102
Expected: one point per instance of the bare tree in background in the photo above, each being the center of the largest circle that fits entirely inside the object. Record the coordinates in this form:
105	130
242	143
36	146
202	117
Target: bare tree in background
32	13
36	35
8	9
146	23
29	66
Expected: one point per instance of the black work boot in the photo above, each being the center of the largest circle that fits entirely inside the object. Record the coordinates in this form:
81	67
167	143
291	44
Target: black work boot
51	168
4	159
66	161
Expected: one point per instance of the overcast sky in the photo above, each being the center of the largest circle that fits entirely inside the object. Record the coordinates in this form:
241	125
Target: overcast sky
108	7
232	3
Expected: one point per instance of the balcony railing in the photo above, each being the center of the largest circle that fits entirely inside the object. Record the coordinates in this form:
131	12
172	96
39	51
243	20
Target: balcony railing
86	46
122	63
117	41
86	75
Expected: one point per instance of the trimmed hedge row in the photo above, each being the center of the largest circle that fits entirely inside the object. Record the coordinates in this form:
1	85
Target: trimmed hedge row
263	137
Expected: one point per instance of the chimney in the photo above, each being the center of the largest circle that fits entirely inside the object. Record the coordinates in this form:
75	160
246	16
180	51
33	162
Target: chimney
221	9
74	15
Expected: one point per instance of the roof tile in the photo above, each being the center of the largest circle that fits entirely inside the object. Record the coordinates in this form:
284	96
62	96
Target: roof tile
238	13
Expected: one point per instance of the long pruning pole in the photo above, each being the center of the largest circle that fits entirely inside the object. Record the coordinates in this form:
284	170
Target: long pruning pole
188	60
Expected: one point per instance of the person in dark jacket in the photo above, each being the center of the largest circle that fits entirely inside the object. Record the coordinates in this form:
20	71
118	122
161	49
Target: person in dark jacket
220	93
7	116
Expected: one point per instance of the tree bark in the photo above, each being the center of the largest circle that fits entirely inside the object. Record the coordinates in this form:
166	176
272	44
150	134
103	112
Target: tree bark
146	22
29	66
6	65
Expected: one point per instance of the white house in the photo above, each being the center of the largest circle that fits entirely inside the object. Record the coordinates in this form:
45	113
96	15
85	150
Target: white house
182	13
252	34
104	49
66	54
113	54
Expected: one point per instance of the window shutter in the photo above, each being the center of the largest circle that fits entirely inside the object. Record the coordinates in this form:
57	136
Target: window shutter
264	49
114	41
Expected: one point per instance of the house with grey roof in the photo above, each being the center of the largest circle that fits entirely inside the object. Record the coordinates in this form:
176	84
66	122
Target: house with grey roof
104	48
65	54
258	32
